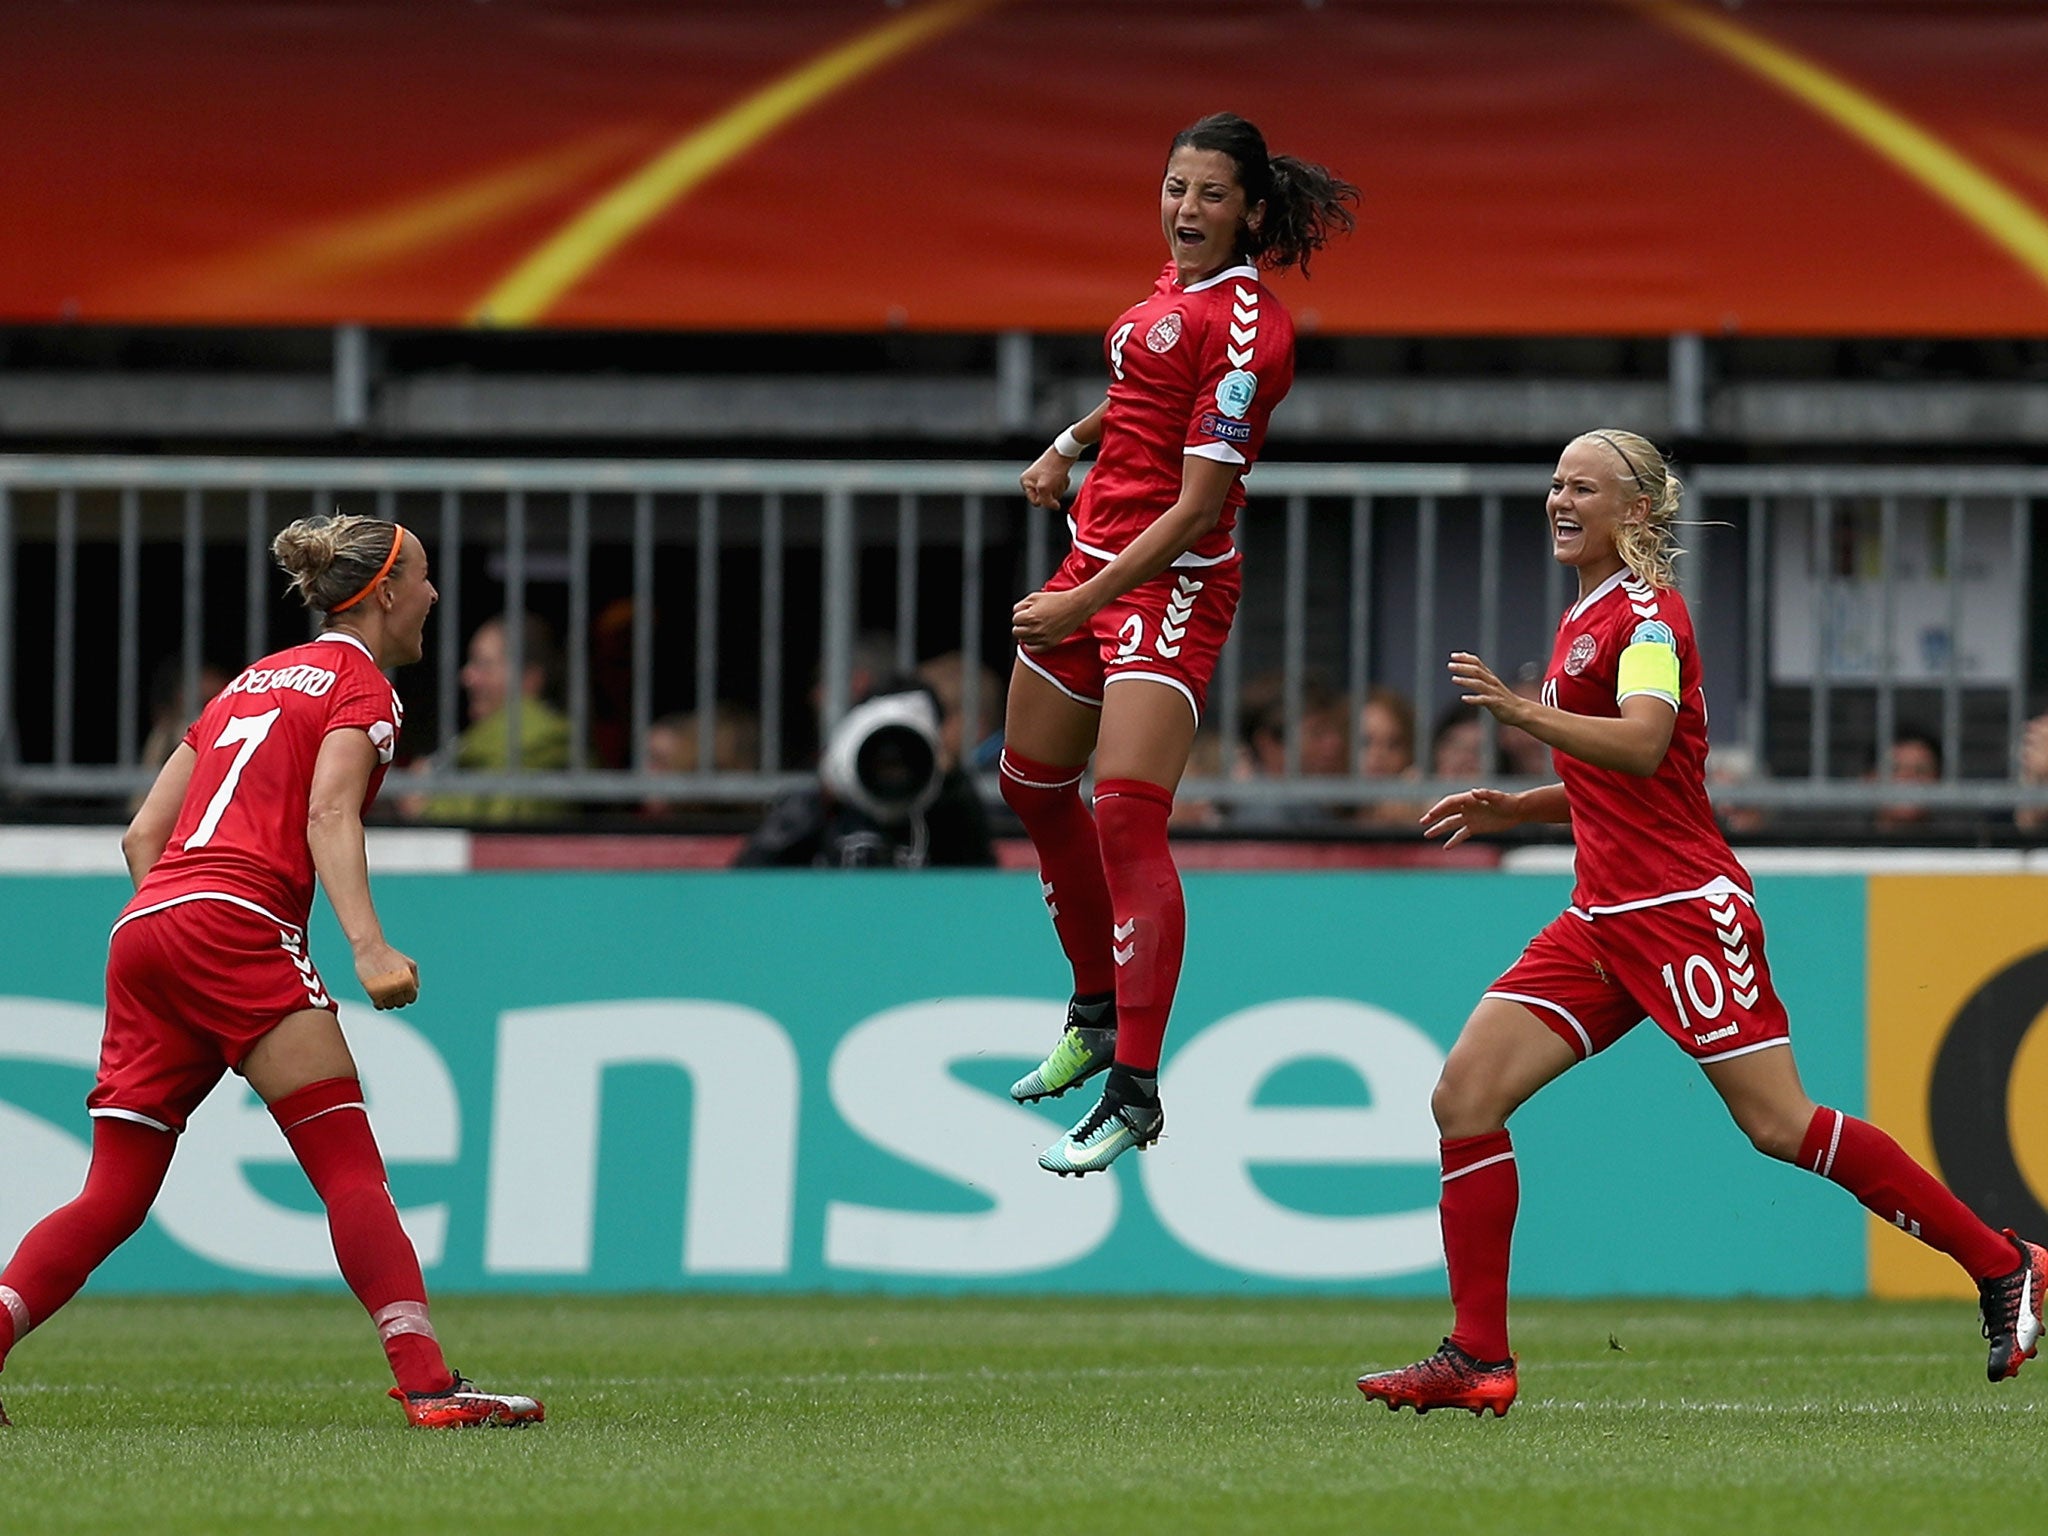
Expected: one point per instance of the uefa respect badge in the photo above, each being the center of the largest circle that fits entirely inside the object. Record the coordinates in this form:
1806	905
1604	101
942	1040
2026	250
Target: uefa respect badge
1234	393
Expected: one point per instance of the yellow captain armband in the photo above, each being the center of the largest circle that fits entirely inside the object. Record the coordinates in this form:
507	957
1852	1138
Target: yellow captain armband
1649	664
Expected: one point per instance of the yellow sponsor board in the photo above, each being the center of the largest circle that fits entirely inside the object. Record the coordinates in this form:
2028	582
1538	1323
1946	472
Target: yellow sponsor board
1958	1070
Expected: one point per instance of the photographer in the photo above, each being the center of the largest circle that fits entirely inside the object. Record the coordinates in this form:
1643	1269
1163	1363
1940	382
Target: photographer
885	798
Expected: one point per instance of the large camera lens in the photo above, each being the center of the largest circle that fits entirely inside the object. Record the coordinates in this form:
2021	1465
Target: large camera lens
895	765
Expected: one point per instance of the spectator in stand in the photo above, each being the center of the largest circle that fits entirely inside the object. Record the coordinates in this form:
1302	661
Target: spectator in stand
484	745
672	743
1456	747
1325	743
2033	820
1386	750
974	748
1914	758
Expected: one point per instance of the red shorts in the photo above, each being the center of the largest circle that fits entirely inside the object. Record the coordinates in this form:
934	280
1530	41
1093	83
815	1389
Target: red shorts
190	989
1168	630
1696	966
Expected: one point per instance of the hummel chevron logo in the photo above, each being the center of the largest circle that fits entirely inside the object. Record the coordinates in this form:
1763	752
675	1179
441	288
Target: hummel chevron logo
1737	956
1051	904
1121	952
1124	930
1239	356
1244	316
1173	625
1245	295
1244	336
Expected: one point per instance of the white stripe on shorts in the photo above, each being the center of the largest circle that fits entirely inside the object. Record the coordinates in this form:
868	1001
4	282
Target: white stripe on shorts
1743	1050
1158	677
1527	1001
1079	698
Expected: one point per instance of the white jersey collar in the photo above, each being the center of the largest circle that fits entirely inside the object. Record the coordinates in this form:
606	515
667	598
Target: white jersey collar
1242	270
343	637
1598	592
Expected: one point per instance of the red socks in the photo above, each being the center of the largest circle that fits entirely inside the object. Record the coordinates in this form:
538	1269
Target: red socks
1477	1207
1113	891
329	1132
1048	801
1876	1170
1149	930
128	1166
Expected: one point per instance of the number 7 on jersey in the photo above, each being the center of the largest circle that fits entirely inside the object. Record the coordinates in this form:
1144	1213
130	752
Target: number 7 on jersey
249	730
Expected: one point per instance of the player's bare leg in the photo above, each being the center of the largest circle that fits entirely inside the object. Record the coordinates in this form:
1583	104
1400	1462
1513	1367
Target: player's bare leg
1503	1056
1047	738
1147	730
303	1070
1763	1093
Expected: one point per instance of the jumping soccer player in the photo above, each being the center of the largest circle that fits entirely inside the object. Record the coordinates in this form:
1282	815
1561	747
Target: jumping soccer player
207	970
1145	599
1663	922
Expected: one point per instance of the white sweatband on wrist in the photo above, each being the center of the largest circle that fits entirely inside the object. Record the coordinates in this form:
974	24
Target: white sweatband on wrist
1068	446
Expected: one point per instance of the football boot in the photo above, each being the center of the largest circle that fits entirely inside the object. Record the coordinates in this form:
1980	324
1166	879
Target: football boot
462	1406
1084	1050
1450	1378
1104	1134
2011	1305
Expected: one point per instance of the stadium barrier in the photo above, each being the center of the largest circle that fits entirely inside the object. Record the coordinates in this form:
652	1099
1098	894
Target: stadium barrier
628	1082
1835	605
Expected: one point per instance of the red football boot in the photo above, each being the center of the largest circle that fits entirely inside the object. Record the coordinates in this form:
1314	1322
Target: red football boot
1450	1378
462	1406
2012	1310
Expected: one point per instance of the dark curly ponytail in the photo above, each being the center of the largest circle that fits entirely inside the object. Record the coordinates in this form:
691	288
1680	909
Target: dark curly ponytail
1305	202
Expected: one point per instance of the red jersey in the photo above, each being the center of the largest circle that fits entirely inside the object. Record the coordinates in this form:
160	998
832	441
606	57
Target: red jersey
241	833
1641	841
1192	370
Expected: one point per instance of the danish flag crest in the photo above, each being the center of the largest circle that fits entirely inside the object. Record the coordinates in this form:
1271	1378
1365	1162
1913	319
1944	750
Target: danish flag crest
1164	333
1580	656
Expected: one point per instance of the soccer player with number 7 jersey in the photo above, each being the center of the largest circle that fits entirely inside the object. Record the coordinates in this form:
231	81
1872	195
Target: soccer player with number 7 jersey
208	970
1115	652
1663	923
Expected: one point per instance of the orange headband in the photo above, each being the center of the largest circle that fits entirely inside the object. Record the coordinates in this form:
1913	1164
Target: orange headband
397	539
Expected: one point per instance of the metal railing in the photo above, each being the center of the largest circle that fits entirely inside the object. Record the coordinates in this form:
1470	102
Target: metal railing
761	586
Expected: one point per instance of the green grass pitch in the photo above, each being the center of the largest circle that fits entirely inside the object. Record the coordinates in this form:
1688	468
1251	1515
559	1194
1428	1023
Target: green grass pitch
831	1415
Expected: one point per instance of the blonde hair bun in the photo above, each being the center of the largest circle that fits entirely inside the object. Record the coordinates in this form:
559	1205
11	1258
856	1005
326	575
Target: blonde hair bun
331	558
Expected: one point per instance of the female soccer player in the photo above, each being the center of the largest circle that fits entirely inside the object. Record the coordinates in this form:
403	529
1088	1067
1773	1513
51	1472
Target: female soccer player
207	970
1145	599
1663	922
